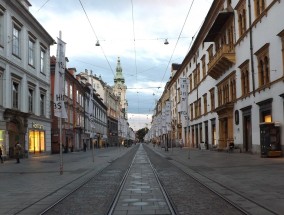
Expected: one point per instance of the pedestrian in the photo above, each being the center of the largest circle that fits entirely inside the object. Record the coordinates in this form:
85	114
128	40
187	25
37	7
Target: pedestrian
181	143
85	147
1	155
18	149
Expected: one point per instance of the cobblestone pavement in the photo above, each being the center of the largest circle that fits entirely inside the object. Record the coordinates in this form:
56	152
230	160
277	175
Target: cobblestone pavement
96	196
35	183
259	180
187	195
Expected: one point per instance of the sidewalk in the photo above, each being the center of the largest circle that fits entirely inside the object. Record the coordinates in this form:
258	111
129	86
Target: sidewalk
259	179
39	176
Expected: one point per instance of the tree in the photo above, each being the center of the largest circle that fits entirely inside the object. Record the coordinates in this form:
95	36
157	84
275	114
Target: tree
140	134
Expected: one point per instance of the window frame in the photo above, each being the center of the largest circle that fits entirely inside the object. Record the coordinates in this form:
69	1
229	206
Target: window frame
31	51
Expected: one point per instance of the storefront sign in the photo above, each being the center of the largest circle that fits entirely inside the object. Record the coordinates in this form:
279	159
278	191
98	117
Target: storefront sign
37	126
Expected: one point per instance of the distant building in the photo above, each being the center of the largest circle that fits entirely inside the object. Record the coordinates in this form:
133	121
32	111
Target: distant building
120	88
25	114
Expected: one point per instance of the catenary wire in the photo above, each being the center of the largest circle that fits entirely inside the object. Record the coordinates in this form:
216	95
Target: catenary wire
96	36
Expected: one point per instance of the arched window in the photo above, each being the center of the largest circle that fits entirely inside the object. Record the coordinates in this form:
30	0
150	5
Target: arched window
267	72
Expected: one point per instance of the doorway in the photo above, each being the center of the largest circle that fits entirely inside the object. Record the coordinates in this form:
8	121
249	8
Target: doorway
247	138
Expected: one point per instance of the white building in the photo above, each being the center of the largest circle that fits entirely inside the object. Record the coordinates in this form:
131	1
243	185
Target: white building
235	73
24	79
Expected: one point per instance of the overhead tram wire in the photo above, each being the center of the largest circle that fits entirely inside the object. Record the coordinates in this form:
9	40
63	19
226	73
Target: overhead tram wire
134	44
42	5
96	37
176	45
178	40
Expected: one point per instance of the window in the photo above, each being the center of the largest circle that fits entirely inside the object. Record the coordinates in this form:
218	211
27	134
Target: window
31	52
1	87
265	110
15	95
194	78
195	109
42	60
1	27
241	10
77	96
199	107
42	104
245	77
198	73
36	141
210	52
71	92
205	103
259	7
227	90
212	99
263	65
66	88
31	100
190	82
281	35
203	66
16	41
191	111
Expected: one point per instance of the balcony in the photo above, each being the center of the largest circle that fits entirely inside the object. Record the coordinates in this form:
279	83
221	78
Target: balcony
221	61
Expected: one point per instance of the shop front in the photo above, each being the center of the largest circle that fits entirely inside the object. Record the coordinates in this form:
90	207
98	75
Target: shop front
37	140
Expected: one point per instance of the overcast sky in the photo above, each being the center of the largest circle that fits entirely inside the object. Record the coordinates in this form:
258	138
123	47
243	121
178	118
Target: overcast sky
135	31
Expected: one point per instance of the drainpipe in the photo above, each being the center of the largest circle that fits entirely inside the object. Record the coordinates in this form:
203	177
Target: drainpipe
251	50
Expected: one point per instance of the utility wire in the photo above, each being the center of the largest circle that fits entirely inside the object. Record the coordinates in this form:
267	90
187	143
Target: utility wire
42	6
135	56
96	36
177	40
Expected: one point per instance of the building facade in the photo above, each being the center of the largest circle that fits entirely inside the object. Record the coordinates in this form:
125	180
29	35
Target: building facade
25	114
235	78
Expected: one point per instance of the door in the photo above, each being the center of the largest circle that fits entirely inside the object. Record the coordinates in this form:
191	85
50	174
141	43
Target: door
247	137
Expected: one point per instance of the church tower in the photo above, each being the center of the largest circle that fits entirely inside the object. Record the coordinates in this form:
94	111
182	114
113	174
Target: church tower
120	89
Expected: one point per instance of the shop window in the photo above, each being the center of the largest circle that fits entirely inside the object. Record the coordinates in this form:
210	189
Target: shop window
2	141
36	141
265	110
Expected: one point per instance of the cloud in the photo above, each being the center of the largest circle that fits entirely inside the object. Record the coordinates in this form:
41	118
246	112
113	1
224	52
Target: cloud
146	61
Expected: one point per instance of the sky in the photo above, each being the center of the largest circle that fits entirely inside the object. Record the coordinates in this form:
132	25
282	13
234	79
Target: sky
134	31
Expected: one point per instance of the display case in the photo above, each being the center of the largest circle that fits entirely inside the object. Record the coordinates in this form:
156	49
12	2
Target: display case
270	145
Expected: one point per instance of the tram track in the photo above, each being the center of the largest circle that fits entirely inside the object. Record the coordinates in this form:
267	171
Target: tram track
240	202
250	202
60	194
127	175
